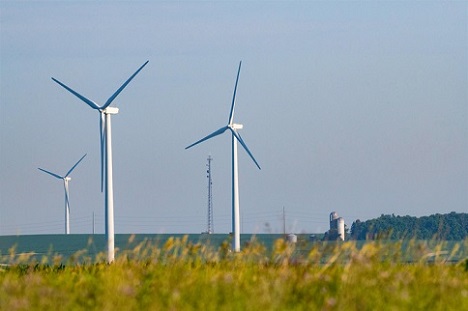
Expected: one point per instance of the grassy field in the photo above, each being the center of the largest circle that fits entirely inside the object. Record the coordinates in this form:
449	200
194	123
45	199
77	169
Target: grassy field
181	275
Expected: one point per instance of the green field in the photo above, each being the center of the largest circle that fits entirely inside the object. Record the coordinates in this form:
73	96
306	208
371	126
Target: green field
180	274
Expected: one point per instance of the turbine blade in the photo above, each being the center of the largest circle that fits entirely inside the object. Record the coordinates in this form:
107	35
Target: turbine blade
102	125
50	173
239	138
215	133
231	114
75	165
109	101
88	101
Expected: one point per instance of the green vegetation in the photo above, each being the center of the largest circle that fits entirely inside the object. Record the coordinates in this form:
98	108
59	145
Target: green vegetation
452	226
181	275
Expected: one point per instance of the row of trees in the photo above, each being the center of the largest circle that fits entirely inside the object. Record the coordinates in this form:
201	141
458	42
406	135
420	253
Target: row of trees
452	226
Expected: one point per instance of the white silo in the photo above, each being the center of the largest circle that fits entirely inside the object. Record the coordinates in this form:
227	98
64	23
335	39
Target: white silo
341	230
337	223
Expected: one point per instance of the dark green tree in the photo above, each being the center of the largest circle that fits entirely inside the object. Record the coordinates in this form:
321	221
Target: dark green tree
452	226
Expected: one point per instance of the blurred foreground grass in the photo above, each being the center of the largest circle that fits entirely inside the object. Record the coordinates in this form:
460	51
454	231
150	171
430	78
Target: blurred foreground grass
181	275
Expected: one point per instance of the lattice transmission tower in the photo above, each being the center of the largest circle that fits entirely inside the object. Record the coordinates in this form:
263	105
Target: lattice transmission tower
210	228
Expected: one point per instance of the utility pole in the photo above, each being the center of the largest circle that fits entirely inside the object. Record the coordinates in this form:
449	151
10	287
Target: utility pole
284	222
210	228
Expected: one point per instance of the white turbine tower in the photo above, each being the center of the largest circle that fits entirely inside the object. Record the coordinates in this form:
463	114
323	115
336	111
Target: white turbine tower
65	179
105	111
233	127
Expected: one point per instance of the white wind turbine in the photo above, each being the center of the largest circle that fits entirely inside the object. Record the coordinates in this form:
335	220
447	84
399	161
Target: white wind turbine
105	111
65	179
233	127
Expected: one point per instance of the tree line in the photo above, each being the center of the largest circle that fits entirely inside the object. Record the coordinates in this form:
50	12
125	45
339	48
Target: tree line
452	226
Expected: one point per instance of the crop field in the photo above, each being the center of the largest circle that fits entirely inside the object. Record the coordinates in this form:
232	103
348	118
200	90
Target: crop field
181	275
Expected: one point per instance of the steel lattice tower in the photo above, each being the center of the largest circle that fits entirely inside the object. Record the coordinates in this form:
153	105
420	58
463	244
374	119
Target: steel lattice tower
210	228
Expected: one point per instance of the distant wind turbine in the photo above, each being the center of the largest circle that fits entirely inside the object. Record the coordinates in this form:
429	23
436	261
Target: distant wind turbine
65	179
105	111
233	127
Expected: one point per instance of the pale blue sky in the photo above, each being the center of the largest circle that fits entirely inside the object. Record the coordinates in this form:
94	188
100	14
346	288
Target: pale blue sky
354	107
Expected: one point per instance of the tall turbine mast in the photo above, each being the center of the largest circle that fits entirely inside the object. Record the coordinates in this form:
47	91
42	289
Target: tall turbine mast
236	137
105	112
66	179
210	197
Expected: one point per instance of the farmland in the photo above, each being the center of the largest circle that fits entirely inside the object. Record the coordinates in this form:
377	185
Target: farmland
183	275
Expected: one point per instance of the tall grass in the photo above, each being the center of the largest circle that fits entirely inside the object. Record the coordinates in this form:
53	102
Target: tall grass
180	275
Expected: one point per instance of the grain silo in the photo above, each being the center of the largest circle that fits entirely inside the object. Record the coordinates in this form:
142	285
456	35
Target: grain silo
337	225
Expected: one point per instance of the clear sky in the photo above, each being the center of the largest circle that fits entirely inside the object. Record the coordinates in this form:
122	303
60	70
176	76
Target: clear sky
353	107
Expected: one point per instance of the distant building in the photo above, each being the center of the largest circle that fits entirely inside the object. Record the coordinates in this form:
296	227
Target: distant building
292	238
337	226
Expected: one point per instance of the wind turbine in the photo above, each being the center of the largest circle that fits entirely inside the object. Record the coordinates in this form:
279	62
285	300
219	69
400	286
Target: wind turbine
105	112
233	127
65	179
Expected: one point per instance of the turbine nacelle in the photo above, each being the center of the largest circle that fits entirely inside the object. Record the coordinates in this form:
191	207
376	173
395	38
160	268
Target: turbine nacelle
67	178
236	126
110	110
